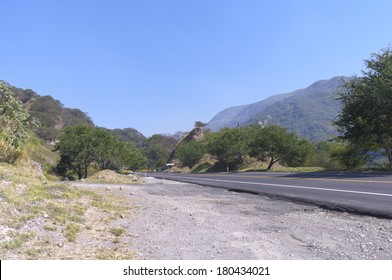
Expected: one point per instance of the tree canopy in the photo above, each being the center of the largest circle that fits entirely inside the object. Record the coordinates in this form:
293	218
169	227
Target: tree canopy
82	145
274	143
229	145
366	116
190	153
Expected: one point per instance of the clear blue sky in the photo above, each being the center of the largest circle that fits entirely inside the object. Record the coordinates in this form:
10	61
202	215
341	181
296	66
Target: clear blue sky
160	65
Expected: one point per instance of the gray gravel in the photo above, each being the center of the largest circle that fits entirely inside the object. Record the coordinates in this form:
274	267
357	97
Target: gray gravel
184	221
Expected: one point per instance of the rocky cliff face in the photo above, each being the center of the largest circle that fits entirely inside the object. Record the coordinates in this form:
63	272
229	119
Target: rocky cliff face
197	134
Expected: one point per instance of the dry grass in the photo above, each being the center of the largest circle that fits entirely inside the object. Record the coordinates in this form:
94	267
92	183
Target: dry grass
111	177
45	220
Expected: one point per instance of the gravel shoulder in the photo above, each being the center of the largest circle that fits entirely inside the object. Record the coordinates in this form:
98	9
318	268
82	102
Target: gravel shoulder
175	220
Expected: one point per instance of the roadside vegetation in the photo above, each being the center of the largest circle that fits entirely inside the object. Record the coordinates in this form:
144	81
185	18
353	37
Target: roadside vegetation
44	219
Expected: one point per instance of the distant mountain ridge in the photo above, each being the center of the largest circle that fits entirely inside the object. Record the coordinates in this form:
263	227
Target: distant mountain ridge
53	117
51	113
309	112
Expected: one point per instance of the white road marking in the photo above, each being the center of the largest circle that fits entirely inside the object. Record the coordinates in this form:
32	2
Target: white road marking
285	186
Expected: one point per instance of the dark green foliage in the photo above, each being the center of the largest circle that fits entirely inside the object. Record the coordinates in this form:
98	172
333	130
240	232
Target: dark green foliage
322	156
350	156
77	149
275	143
82	145
157	149
112	153
272	143
229	146
190	153
336	155
24	95
365	119
129	135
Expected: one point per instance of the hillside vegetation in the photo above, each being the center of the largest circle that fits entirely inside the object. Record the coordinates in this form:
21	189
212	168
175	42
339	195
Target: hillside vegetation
50	113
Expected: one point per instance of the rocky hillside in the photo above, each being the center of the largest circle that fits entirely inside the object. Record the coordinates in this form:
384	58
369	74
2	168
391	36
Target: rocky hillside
196	134
308	112
53	116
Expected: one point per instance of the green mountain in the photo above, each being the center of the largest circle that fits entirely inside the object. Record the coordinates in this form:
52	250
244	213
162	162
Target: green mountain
53	116
309	112
129	135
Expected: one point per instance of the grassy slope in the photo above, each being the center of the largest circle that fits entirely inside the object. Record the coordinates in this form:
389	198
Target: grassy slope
46	220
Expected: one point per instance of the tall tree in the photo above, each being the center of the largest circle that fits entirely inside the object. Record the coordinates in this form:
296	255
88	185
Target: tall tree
107	145
366	116
128	156
229	145
274	143
77	149
190	153
83	145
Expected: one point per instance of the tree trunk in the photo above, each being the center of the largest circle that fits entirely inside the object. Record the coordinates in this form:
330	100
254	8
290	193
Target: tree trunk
389	155
79	172
272	162
85	170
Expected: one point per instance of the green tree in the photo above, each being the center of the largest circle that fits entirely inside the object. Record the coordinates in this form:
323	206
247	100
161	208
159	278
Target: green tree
130	157
350	156
190	153
322	155
83	145
229	145
77	148
157	149
106	149
365	118
274	143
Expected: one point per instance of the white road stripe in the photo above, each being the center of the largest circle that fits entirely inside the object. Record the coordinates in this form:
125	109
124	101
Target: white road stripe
285	186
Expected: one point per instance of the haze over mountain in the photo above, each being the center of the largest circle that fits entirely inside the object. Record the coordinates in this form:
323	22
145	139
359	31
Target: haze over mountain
308	112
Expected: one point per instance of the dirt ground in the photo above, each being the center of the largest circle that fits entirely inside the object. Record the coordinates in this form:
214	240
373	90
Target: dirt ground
183	221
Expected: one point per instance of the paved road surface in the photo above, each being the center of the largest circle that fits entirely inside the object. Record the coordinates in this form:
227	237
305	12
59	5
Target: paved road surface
369	194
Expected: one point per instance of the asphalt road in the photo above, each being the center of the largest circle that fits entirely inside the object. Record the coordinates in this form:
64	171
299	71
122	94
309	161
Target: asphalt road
369	194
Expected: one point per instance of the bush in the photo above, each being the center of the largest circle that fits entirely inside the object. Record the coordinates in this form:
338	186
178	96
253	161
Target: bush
8	153
190	153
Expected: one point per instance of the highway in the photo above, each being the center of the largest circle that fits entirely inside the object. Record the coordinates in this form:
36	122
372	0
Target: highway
366	194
